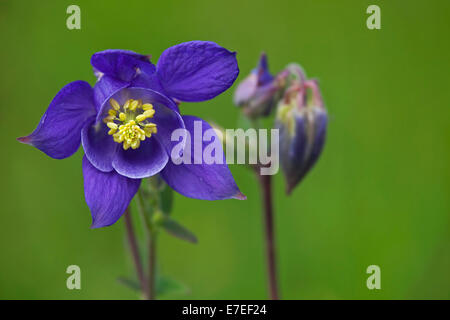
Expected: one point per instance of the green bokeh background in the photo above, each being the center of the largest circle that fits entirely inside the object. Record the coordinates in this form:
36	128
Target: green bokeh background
379	194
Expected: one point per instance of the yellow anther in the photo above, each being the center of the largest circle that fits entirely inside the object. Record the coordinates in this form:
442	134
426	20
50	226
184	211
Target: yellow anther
149	113
126	146
111	131
112	112
150	127
118	138
122	116
114	104
135	144
112	125
141	118
108	119
147	106
127	104
134	105
149	131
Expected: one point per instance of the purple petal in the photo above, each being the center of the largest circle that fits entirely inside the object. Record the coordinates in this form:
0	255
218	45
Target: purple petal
201	181
98	146
148	81
105	87
262	70
58	132
197	70
167	121
300	151
121	64
246	89
107	194
145	161
321	121
292	150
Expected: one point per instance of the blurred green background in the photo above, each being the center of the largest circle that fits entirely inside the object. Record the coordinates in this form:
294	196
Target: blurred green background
379	194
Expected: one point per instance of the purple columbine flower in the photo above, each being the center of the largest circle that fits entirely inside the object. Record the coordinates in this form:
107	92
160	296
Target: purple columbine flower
302	121
125	124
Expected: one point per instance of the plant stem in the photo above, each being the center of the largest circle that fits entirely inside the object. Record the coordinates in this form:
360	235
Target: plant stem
266	190
135	254
150	234
152	265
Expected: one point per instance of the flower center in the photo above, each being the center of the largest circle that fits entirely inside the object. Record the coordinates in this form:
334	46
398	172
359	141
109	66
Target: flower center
129	123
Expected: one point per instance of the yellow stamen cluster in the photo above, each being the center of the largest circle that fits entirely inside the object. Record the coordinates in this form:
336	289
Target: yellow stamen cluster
128	124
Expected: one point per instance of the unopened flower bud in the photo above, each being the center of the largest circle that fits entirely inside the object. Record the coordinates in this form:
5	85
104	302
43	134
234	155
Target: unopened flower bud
302	121
257	93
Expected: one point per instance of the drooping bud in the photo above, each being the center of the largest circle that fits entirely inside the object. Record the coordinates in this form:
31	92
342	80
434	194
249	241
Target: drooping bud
302	121
257	93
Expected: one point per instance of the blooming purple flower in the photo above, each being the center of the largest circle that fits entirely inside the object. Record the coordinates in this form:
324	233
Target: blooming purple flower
125	122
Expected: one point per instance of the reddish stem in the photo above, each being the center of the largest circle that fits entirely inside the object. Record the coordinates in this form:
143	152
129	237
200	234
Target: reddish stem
135	254
266	189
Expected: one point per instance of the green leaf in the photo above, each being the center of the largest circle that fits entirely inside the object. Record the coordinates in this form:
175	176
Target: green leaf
129	283
166	200
177	230
166	285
